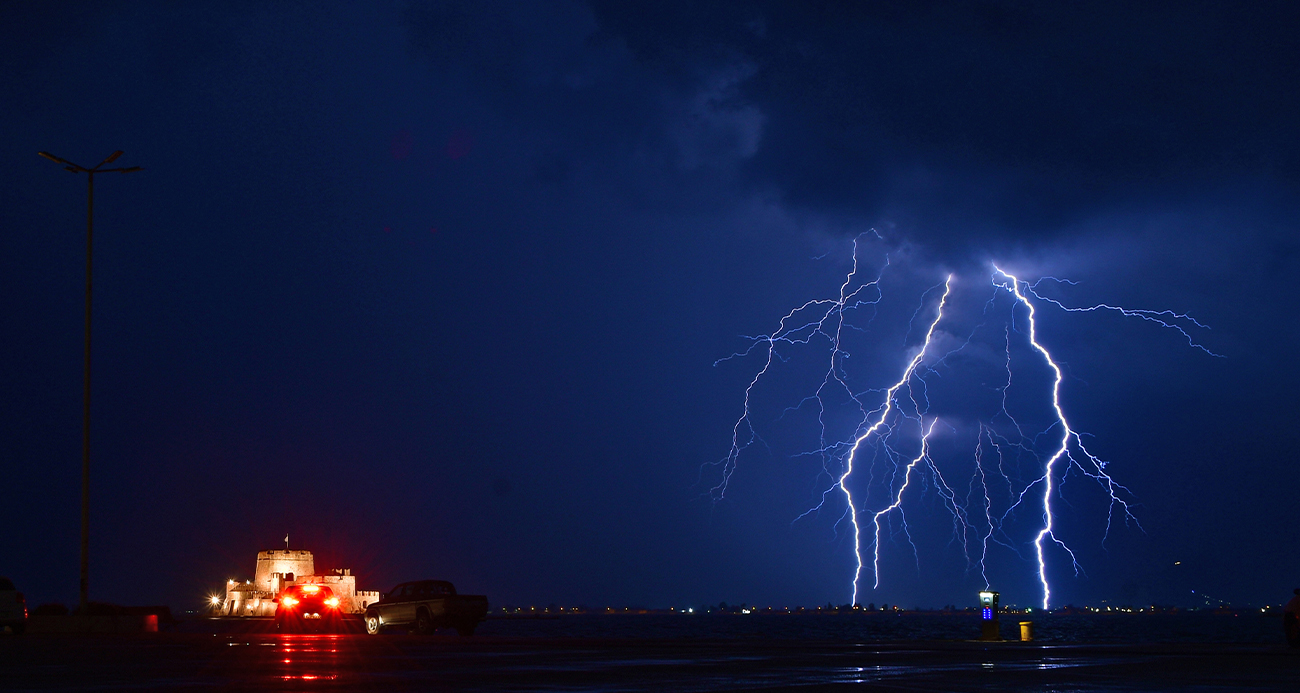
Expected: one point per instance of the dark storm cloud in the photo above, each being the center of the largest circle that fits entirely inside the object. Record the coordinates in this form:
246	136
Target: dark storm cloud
581	103
994	119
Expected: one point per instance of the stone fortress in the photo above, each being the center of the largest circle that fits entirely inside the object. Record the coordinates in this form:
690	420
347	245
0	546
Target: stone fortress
280	568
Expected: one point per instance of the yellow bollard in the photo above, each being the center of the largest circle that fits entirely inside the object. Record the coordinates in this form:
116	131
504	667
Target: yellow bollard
1026	631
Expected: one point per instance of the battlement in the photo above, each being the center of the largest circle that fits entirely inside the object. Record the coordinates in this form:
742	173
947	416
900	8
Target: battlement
284	553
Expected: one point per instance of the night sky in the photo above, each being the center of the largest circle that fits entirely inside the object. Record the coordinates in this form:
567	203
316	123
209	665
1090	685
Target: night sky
438	288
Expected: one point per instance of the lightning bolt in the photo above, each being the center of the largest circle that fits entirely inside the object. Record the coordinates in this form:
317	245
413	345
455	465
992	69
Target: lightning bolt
888	413
1094	467
871	430
1160	317
896	505
794	329
1062	450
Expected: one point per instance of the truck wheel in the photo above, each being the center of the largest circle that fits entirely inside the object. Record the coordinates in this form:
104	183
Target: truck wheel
372	624
465	629
423	624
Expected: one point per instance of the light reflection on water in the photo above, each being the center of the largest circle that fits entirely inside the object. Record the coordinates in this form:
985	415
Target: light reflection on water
811	676
307	657
566	653
763	672
870	628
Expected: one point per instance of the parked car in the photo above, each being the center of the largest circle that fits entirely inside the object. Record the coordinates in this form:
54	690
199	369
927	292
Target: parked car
302	608
13	607
425	606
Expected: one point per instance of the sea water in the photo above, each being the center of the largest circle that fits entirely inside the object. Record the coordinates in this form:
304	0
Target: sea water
1184	627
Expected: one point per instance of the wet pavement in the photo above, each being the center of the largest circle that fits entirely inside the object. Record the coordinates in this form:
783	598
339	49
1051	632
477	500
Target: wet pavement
174	661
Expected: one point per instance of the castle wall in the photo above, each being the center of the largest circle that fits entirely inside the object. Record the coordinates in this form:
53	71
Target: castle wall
244	599
344	585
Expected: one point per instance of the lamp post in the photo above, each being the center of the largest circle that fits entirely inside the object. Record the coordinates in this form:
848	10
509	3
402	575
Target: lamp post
85	404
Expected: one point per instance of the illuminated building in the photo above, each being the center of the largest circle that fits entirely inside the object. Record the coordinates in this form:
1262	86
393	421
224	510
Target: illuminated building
279	568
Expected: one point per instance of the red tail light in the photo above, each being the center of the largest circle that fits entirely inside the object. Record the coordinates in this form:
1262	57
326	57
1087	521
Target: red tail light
332	602
289	602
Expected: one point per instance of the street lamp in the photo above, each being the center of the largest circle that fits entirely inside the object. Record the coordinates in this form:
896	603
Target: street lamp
85	405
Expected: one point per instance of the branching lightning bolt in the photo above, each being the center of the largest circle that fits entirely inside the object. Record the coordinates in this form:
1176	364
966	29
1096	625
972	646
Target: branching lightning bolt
873	429
888	415
1160	317
1062	451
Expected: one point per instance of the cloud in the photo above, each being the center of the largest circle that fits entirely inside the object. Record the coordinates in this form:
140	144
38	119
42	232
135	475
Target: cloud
989	123
716	127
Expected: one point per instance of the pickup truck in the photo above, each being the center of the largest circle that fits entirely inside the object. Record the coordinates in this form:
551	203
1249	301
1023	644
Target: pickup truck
426	605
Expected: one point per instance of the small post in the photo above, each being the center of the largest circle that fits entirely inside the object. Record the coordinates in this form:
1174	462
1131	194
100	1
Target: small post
989	616
1026	631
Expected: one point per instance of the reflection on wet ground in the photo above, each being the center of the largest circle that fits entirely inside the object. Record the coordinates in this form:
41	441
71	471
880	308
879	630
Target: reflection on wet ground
356	662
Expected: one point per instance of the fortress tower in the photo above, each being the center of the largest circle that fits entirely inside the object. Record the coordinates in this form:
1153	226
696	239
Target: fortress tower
277	567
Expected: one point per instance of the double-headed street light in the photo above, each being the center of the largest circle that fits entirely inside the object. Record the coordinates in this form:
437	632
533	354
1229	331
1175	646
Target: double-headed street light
85	406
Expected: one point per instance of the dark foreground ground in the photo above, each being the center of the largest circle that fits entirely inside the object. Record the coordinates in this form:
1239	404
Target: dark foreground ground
252	661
